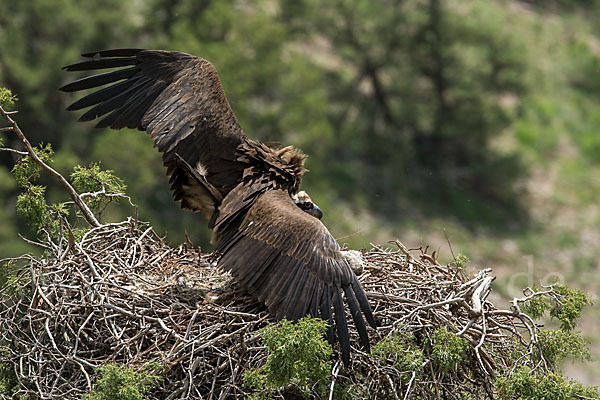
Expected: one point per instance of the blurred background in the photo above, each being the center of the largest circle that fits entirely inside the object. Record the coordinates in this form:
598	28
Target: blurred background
475	123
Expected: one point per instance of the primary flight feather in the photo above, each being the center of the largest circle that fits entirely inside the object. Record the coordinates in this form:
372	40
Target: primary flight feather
267	231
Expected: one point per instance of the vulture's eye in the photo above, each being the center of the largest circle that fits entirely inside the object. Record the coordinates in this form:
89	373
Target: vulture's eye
307	205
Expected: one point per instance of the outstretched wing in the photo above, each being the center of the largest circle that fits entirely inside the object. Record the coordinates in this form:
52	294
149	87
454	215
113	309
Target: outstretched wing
289	260
176	97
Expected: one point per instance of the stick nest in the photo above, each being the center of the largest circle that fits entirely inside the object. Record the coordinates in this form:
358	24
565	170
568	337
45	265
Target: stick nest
121	294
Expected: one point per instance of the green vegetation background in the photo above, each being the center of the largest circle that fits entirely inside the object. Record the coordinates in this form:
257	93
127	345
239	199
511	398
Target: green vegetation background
479	120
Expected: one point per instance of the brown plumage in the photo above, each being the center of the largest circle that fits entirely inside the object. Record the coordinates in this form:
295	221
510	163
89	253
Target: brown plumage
261	225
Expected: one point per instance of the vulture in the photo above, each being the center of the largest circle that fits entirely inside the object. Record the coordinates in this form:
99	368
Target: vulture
267	232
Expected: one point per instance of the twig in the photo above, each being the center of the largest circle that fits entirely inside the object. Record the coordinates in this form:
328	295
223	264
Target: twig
334	375
21	153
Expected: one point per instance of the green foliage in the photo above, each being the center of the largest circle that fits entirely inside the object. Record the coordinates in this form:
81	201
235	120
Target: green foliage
572	302
559	344
31	203
119	382
460	262
447	349
7	99
565	305
523	384
537	306
456	64
26	170
93	179
33	207
298	355
401	350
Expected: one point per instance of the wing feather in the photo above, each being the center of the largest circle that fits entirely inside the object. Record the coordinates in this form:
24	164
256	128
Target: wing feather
304	297
273	292
112	53
110	104
316	299
356	316
130	113
262	285
361	297
341	324
296	298
325	309
192	189
282	300
176	97
287	259
102	95
100	64
99	79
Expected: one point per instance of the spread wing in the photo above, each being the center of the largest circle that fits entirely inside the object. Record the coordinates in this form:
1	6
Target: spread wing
289	260
177	98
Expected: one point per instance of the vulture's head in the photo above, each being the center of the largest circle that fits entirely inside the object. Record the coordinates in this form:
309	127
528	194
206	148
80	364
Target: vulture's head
302	200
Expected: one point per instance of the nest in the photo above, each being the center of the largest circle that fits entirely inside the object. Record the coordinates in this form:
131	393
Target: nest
121	294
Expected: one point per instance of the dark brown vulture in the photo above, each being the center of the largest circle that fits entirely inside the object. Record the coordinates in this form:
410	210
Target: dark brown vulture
263	227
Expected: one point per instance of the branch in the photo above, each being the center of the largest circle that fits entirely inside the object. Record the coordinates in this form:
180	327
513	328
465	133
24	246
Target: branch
104	193
87	213
334	375
22	153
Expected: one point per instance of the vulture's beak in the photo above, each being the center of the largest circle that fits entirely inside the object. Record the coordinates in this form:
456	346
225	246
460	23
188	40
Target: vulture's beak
315	212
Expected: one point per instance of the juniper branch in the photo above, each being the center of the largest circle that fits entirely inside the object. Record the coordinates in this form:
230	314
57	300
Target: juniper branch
87	213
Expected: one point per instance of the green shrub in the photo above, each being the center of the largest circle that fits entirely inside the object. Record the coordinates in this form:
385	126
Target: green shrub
573	301
565	305
93	179
119	382
32	204
525	384
297	355
559	344
460	262
447	349
401	351
537	306
26	170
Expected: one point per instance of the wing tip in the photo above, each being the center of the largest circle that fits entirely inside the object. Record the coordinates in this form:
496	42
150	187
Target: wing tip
67	88
125	52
